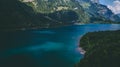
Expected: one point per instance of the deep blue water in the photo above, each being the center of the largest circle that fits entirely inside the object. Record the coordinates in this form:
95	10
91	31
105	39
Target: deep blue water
56	47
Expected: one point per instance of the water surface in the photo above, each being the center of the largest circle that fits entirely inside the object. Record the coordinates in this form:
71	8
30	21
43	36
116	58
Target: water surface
46	47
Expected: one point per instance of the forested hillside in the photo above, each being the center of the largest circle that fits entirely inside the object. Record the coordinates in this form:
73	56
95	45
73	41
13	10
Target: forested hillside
57	6
40	13
102	49
15	14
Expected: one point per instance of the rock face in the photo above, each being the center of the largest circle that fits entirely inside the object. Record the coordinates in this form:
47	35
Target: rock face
98	11
95	1
102	11
118	15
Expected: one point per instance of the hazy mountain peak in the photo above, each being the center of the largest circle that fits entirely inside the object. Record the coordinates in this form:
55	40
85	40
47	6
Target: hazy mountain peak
95	1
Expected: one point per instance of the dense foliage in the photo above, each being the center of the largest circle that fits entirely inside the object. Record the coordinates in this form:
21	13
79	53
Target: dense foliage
14	14
102	49
17	14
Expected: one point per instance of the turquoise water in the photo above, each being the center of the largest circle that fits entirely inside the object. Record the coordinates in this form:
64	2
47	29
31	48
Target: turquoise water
56	47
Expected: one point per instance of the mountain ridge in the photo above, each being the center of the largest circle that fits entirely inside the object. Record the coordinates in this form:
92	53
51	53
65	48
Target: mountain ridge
17	14
51	13
98	11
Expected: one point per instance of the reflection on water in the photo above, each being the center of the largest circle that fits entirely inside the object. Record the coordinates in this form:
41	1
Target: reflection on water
46	48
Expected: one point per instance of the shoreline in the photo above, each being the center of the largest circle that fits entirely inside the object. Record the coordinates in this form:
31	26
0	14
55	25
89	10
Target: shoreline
35	28
82	51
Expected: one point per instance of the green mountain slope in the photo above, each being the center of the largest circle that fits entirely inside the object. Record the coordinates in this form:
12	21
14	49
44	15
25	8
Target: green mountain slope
57	6
40	13
15	14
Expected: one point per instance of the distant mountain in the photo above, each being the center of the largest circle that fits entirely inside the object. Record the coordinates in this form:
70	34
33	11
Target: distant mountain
101	11
118	15
98	11
95	1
